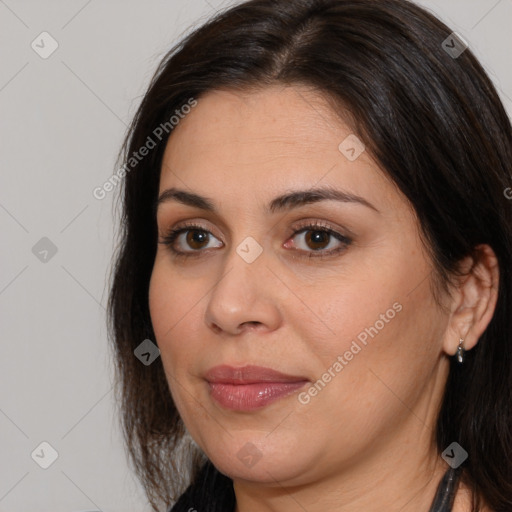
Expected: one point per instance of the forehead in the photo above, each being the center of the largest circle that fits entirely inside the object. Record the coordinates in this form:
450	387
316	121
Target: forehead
275	117
244	143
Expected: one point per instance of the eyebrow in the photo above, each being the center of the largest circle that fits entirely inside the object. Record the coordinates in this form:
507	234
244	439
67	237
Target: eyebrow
283	202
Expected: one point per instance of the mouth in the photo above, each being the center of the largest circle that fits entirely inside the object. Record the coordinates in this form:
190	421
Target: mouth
250	387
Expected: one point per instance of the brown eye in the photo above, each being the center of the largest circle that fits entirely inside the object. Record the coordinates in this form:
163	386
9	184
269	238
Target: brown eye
316	243
317	239
196	238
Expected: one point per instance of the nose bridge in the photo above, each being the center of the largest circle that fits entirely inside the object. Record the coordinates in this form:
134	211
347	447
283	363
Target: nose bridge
244	269
244	292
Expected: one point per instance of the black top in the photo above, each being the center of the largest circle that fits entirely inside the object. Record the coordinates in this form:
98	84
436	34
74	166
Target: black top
210	492
213	492
445	495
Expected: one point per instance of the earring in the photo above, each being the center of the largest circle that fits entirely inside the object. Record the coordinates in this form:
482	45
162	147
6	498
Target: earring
460	352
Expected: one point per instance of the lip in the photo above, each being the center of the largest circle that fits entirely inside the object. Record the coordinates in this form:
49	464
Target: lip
250	387
248	374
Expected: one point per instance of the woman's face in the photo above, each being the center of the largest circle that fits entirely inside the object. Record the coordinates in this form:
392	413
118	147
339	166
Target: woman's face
359	325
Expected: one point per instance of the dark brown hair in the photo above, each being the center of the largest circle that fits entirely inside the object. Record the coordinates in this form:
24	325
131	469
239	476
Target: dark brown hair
433	122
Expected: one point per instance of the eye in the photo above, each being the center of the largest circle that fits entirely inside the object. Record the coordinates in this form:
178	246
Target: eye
319	237
196	238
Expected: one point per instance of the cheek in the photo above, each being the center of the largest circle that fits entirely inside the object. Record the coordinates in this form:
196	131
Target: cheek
382	325
170	317
369	369
358	310
160	299
174	303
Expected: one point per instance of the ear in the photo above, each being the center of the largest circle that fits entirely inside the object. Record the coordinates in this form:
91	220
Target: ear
474	300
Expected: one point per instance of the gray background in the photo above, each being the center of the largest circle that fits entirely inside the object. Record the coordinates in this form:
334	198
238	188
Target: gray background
62	122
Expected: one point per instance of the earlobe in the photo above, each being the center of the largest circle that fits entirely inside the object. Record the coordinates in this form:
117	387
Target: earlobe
474	301
460	351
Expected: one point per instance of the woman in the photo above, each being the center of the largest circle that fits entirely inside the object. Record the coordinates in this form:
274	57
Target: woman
317	239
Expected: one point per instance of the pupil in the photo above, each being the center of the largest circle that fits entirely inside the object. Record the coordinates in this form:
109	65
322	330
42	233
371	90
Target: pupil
196	237
318	237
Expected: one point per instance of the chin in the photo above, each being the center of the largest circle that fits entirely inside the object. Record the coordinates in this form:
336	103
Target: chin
255	459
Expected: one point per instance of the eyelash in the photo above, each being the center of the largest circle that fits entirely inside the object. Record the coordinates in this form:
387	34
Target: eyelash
172	234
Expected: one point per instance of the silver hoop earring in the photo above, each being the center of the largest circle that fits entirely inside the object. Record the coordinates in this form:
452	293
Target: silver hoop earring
460	352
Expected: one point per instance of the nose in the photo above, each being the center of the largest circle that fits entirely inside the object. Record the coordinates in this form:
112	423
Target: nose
245	297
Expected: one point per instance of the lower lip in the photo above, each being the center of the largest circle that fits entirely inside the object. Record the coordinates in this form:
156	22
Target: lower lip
248	397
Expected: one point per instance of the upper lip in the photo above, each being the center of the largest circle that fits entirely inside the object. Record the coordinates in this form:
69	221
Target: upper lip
249	374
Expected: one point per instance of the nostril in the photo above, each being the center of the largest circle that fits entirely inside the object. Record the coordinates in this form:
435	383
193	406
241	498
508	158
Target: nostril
252	323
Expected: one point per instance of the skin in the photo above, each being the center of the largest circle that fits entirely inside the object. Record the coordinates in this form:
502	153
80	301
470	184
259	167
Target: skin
365	442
